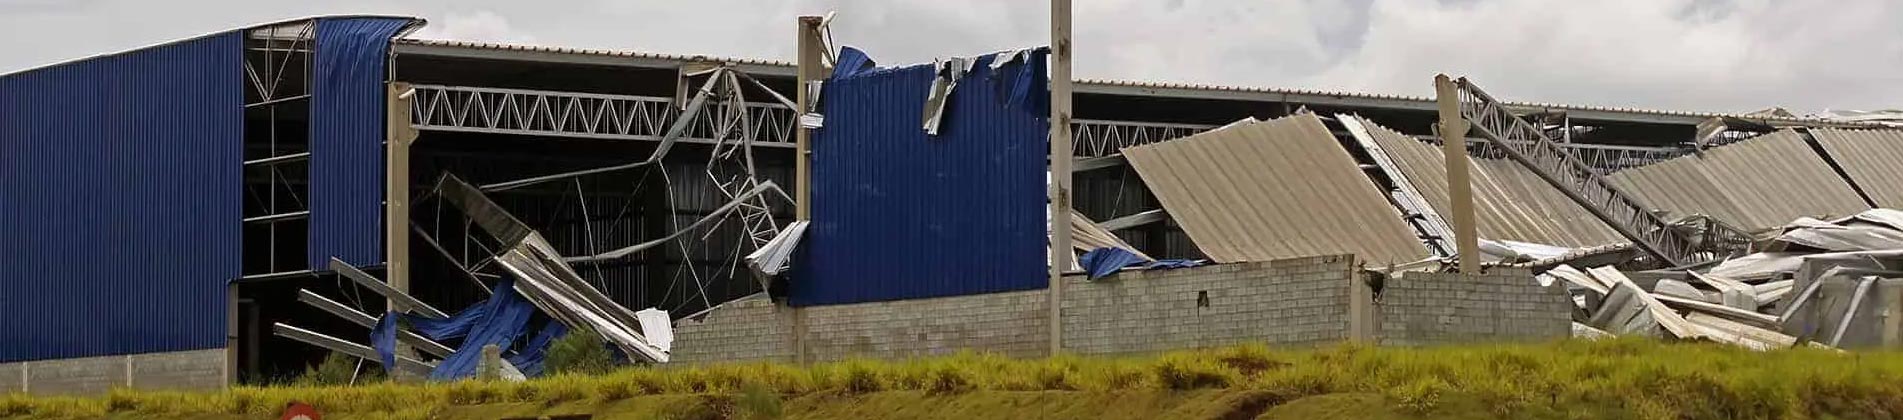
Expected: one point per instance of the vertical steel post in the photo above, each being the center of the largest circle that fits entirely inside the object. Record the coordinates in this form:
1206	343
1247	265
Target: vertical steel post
1453	140
1060	165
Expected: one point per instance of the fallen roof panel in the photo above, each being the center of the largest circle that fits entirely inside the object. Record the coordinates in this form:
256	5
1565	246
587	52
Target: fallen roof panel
1511	202
1257	191
1755	184
1872	158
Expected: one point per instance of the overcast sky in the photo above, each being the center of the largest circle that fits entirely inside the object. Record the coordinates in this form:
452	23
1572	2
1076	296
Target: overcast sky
1703	55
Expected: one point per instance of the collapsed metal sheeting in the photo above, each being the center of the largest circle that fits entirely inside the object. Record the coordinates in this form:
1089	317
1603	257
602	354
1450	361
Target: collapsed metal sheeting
1873	159
1257	191
545	279
1511	203
1756	184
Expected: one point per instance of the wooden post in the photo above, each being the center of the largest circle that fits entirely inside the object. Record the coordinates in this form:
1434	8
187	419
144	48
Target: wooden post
1453	138
810	69
1060	166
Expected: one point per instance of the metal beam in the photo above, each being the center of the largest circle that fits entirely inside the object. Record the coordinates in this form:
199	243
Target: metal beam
273	218
1135	220
294	157
341	346
1100	162
396	297
358	317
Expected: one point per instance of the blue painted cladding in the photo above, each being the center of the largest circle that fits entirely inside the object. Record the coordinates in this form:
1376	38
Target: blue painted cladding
347	123
120	188
897	214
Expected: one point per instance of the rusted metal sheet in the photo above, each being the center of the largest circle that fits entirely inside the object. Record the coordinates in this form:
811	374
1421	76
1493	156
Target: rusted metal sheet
1511	202
1872	158
1756	184
1256	191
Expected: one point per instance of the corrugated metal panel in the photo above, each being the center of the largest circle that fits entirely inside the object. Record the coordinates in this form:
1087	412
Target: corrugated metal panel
1510	201
898	214
1872	158
1760	183
346	167
1274	189
119	201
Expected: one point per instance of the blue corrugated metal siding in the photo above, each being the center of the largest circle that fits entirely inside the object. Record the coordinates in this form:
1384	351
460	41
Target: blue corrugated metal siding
898	214
347	115
119	201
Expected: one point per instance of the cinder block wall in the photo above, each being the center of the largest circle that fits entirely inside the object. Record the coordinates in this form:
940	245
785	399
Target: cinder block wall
741	331
1013	323
1500	305
1298	301
194	370
1287	302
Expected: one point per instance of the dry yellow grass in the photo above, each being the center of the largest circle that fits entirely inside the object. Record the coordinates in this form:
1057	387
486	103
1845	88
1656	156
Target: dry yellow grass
1634	377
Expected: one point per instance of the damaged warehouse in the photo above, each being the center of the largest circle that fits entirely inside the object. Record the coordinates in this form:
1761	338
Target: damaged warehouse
346	188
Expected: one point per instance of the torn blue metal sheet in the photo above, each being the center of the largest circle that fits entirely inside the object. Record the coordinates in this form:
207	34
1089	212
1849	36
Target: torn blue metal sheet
499	320
851	61
898	214
120	201
1102	262
346	139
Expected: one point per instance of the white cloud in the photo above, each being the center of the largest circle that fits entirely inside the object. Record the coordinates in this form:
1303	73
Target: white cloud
1722	55
479	26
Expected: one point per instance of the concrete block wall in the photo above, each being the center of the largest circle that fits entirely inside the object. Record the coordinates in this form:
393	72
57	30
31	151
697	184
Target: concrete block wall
1300	301
741	331
194	370
1500	305
1292	302
1012	323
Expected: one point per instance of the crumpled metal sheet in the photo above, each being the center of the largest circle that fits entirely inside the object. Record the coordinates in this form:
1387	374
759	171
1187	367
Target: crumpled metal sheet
545	279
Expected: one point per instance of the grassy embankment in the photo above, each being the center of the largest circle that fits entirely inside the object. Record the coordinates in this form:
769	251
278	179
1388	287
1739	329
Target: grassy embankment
1573	379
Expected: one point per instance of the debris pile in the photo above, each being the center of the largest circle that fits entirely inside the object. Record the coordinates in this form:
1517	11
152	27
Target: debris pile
1829	283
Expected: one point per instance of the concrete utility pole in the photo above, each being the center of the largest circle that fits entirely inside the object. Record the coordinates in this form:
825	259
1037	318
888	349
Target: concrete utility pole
1060	165
396	210
1453	140
810	70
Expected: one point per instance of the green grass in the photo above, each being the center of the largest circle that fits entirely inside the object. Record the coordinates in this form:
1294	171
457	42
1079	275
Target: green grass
1626	378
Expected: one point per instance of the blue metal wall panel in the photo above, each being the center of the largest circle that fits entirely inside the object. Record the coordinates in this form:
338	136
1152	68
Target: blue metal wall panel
347	122
898	214
119	201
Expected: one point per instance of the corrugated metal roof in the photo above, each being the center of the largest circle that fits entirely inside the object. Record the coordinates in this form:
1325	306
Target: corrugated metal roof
1510	201
593	51
1424	101
899	214
1872	158
121	188
1755	184
346	138
1274	189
